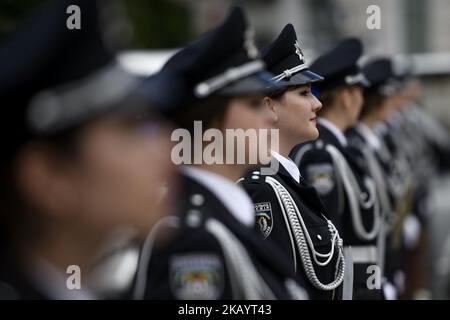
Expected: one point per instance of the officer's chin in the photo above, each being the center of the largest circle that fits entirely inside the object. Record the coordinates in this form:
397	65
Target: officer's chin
314	133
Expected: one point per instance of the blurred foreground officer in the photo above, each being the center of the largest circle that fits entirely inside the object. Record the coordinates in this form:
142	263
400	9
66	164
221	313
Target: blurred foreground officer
390	173
288	210
336	169
216	253
79	160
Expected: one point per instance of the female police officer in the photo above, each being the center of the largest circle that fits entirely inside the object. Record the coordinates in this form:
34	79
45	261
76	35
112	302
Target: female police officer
288	211
215	252
338	170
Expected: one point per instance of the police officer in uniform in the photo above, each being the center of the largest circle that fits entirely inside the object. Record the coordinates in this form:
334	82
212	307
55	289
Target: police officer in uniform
79	159
289	211
407	120
215	252
390	173
337	170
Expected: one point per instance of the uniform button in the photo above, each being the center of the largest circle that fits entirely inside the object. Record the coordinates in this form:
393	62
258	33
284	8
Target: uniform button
193	218
319	237
255	177
255	172
197	199
319	144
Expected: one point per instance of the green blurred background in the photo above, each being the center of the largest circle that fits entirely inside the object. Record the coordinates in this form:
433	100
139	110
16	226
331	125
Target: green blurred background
156	23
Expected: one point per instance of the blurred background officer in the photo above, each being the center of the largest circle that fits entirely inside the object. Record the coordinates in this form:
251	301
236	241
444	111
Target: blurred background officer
336	169
422	157
389	169
218	82
428	156
289	211
79	158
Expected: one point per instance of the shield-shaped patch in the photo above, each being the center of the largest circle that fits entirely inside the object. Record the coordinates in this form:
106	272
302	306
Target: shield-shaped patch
264	217
196	276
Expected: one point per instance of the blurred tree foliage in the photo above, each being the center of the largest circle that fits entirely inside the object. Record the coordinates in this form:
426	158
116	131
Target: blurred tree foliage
13	11
160	23
156	23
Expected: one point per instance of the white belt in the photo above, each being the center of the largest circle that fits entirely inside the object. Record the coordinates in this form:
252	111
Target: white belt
364	254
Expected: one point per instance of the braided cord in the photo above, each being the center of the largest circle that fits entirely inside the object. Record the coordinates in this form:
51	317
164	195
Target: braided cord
304	242
353	191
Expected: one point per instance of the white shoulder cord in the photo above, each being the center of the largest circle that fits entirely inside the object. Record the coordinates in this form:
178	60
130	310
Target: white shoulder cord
294	254
377	174
252	285
345	174
146	253
316	254
397	183
304	242
301	153
387	215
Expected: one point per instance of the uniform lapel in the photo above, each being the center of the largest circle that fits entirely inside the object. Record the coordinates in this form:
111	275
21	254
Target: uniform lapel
263	251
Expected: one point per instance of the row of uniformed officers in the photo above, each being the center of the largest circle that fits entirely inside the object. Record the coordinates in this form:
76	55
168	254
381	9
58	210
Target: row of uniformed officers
86	159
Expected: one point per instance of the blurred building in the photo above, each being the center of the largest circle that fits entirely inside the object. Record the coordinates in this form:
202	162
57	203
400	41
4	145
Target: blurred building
418	27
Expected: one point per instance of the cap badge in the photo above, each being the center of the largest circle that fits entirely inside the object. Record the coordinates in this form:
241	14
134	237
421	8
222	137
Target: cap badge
249	44
298	50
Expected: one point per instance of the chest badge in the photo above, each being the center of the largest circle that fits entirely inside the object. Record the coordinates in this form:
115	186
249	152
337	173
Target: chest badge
264	218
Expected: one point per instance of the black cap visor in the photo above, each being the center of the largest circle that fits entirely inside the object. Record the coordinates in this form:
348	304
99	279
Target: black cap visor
53	110
259	82
303	77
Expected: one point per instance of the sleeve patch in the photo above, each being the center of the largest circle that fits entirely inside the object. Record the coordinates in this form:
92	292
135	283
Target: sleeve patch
196	276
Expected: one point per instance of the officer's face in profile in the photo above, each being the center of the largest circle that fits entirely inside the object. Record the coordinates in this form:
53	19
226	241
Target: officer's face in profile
386	107
296	114
248	112
115	177
409	94
355	102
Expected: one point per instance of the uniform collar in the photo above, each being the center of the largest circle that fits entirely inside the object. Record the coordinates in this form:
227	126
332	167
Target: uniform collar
381	128
369	136
289	165
233	197
334	130
396	119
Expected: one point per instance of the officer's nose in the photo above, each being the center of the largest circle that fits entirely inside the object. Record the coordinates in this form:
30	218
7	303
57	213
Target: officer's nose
317	105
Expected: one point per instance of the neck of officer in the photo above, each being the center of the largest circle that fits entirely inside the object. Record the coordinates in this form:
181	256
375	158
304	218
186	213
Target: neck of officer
232	172
336	116
369	121
285	145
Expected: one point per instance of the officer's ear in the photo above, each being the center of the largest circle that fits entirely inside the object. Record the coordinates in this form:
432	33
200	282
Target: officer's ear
269	103
345	98
45	180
